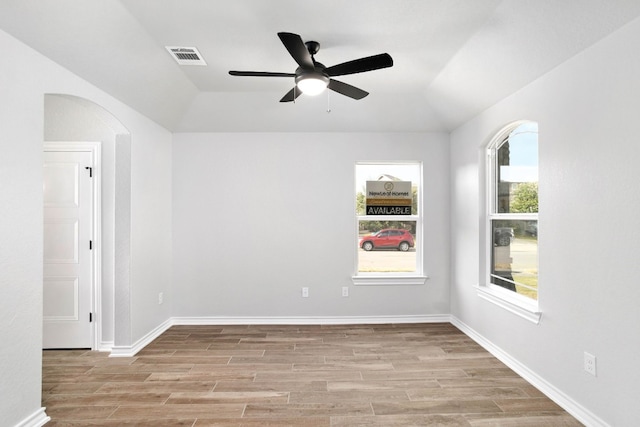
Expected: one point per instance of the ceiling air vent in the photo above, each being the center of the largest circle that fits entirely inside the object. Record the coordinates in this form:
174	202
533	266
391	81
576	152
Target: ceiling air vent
186	55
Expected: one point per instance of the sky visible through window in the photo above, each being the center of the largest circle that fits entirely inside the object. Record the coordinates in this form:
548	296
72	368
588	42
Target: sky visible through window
523	155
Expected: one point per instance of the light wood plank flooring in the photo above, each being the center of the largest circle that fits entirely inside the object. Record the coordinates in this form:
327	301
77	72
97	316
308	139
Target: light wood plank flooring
312	376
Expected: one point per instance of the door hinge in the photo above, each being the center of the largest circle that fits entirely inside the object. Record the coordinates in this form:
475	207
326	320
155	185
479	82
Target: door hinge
90	244
90	317
90	171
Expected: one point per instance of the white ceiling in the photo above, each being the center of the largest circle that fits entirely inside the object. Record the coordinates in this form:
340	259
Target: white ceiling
452	58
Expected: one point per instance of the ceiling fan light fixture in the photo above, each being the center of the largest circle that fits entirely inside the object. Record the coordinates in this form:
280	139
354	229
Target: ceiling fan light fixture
312	77
312	84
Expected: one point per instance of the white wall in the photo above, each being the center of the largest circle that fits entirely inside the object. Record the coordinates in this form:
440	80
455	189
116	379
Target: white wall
24	81
257	216
150	228
21	113
589	237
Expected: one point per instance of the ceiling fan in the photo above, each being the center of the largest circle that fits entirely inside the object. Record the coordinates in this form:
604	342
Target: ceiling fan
312	77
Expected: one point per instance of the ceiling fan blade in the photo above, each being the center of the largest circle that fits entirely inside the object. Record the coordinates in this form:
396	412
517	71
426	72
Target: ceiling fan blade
369	63
291	95
297	49
347	90
260	74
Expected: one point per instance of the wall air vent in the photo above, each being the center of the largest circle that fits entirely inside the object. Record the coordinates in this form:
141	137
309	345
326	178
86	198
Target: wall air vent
186	55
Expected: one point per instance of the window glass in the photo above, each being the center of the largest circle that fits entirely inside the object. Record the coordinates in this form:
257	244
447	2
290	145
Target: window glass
388	218
516	163
514	259
513	213
386	246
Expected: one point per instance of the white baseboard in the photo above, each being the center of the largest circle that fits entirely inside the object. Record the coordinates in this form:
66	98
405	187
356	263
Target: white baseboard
130	351
105	346
37	419
309	320
578	411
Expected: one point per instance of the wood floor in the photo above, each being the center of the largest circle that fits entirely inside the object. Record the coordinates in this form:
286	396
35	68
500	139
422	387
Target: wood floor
284	376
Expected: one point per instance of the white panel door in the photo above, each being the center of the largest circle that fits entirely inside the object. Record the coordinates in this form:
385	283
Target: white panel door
68	202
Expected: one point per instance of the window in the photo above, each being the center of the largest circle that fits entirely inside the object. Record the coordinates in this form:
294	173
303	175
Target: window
388	223
512	216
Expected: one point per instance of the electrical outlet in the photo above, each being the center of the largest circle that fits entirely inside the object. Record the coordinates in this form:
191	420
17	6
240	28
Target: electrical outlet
160	298
590	363
345	291
305	292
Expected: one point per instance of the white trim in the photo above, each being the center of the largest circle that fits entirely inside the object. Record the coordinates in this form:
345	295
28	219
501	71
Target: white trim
95	148
510	301
131	350
310	320
37	419
388	280
105	346
581	413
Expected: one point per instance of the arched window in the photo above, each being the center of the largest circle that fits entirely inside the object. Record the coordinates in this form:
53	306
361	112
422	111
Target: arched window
512	212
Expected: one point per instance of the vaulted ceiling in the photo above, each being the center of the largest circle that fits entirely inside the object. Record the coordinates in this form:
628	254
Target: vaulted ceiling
452	58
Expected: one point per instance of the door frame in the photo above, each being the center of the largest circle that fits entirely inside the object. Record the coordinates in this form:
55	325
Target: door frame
95	148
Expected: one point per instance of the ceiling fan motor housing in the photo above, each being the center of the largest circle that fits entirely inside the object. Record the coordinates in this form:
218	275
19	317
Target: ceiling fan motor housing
312	47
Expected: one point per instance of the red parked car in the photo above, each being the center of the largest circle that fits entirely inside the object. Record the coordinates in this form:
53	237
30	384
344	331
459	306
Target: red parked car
386	239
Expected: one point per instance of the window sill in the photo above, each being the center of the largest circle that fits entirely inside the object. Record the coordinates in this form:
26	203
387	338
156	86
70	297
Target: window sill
516	304
388	280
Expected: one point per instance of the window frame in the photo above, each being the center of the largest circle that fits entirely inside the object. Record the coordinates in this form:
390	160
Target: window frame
417	277
520	305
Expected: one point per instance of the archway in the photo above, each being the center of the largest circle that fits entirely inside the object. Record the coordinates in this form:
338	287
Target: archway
71	118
